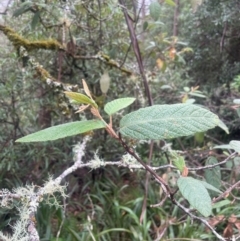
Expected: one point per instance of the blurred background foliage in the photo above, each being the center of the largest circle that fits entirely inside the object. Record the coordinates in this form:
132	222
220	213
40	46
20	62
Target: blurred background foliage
184	44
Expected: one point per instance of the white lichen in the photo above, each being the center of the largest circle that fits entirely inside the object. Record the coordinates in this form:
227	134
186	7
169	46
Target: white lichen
96	162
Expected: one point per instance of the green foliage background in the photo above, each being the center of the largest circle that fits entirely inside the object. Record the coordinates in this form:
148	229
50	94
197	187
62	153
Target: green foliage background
207	54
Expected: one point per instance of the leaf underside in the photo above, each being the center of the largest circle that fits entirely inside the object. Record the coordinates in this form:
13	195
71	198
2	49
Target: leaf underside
64	130
196	194
167	121
118	104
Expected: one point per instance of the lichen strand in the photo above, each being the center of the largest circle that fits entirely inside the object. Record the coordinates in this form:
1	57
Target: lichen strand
19	41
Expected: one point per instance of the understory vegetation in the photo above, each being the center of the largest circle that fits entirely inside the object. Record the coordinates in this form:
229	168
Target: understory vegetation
119	120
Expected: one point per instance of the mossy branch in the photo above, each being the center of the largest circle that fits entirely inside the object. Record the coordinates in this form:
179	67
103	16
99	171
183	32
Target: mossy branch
18	41
112	63
52	44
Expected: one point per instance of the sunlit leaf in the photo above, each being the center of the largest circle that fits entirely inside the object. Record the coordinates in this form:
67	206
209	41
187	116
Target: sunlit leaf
118	104
80	98
179	162
170	2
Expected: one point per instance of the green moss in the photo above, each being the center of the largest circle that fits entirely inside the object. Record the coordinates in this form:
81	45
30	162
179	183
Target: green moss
106	59
44	73
19	41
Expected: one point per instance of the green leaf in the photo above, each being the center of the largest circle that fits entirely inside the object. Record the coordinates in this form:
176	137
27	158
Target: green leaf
238	112
80	98
236	101
199	137
145	25
222	147
64	130
118	104
35	20
186	89
113	230
210	187
235	145
74	234
221	204
26	6
236	162
179	162
223	126
195	4
196	194
213	175
170	2
155	9
167	121
197	94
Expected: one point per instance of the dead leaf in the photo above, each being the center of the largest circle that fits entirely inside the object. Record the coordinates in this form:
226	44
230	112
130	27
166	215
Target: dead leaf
86	89
172	53
185	172
185	98
105	82
228	231
160	63
232	219
82	108
216	220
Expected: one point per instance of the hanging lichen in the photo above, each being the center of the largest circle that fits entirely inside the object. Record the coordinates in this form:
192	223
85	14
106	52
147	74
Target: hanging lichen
58	86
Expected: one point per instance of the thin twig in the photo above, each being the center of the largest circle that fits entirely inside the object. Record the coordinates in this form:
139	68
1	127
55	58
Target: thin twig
213	165
224	194
146	184
160	180
202	220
